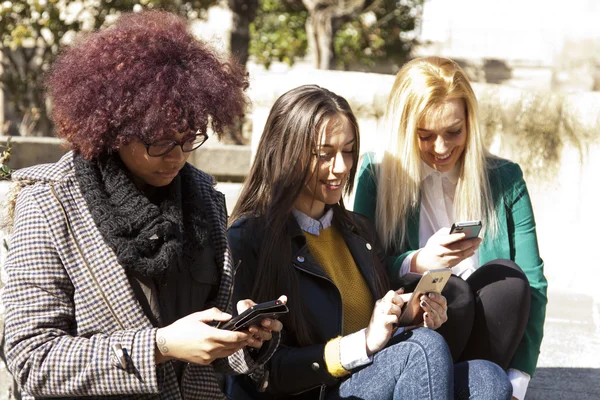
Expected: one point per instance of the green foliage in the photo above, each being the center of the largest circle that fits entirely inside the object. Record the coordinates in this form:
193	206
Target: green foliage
32	33
278	33
5	170
384	32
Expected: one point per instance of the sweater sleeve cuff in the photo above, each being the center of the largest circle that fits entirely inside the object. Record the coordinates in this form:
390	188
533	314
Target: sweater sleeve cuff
519	381
353	350
333	360
405	266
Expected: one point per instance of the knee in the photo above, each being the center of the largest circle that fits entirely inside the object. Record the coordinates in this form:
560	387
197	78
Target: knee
495	379
460	298
481	379
432	344
519	280
507	268
503	272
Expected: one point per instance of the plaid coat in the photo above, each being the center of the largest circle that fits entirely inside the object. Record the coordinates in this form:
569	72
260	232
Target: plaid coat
73	324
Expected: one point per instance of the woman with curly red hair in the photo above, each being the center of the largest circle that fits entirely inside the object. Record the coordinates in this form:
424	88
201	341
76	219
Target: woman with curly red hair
119	268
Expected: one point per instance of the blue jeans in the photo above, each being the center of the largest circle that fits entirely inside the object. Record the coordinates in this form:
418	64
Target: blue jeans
417	365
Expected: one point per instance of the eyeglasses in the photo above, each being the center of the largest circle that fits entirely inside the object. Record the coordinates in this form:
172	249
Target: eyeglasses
162	147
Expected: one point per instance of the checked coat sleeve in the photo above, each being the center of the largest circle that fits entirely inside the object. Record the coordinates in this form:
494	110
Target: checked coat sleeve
243	361
46	353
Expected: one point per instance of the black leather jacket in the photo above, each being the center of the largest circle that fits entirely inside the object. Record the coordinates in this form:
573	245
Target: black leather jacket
300	372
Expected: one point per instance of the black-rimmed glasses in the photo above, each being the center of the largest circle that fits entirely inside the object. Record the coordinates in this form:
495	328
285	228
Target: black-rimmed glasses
162	147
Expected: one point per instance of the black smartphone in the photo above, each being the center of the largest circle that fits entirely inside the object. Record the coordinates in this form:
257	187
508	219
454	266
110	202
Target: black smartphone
255	314
471	229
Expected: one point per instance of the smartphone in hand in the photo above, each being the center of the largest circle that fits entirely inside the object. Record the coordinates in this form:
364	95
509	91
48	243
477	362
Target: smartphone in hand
471	229
255	314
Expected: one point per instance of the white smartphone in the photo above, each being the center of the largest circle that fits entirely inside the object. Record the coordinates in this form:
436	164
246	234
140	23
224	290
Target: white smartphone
432	281
471	229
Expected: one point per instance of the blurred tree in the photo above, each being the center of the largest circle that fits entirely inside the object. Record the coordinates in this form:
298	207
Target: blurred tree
385	32
278	32
326	17
347	34
244	12
32	33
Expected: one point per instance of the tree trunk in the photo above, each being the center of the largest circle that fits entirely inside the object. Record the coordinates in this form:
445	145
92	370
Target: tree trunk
244	13
325	19
319	28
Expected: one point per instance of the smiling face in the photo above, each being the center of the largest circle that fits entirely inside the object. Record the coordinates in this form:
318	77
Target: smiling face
330	168
442	135
154	171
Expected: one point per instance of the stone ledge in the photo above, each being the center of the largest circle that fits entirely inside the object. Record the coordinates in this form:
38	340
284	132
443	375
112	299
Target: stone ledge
28	151
226	162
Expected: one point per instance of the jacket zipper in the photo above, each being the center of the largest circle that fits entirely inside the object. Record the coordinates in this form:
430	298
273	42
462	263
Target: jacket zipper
340	326
87	266
323	387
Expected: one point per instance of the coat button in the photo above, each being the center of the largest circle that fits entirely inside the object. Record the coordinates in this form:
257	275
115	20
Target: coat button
369	247
300	259
315	366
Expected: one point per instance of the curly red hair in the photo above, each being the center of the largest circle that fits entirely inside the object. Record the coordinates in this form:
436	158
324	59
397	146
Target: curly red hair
147	77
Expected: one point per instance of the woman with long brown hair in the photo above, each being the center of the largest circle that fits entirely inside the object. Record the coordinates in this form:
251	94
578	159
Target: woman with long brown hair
290	233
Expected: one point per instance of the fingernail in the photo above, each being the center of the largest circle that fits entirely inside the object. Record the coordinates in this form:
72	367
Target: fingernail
423	304
267	322
425	315
431	295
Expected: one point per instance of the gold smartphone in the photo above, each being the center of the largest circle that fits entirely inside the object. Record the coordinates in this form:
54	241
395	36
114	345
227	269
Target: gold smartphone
432	281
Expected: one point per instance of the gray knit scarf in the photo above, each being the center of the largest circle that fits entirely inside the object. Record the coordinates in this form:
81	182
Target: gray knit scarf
149	236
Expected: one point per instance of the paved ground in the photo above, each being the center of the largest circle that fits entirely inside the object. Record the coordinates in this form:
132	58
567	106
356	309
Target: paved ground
569	365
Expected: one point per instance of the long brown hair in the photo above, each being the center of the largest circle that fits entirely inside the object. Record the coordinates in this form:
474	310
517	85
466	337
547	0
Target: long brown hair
280	170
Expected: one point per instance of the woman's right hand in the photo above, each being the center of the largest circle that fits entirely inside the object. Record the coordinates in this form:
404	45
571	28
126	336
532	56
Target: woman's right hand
383	321
443	250
191	339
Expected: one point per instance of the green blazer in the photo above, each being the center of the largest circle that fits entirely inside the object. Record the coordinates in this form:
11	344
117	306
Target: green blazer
516	241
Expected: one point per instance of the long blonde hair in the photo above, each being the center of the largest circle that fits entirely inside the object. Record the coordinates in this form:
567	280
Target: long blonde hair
420	86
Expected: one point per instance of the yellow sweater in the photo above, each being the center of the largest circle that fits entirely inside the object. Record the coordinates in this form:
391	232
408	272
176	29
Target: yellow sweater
332	253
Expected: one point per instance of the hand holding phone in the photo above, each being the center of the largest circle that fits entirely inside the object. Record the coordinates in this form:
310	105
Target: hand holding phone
255	314
432	281
444	250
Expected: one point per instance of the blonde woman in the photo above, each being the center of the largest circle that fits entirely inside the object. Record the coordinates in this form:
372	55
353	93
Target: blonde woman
435	171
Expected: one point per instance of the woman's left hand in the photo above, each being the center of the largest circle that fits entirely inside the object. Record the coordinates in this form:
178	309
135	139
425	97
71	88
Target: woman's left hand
435	310
263	332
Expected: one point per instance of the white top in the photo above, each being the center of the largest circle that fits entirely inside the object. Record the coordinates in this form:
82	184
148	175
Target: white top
437	212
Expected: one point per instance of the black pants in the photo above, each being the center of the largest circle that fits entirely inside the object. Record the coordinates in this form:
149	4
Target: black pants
487	313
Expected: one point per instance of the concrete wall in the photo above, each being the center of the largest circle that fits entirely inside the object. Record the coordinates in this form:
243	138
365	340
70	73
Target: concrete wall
225	162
